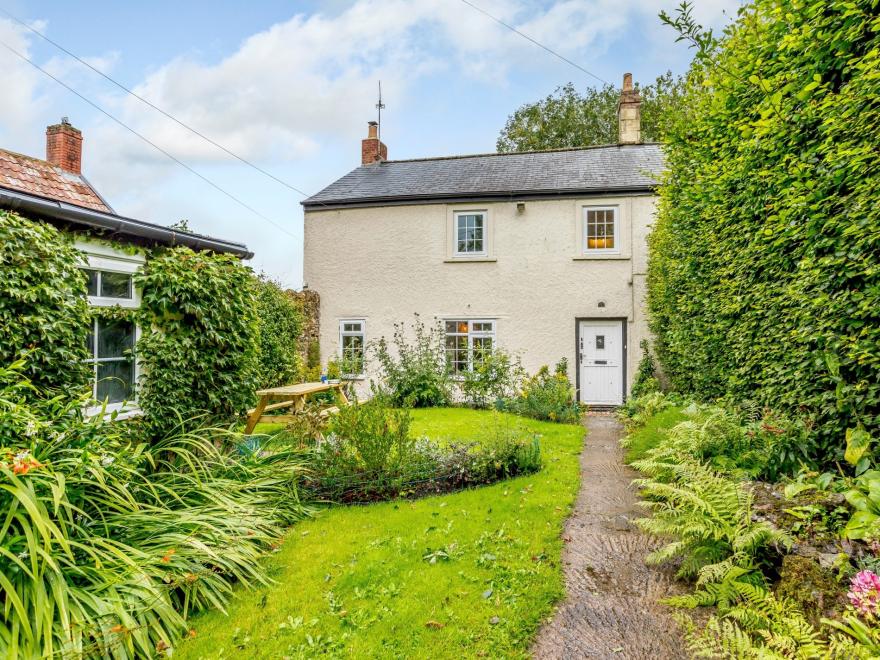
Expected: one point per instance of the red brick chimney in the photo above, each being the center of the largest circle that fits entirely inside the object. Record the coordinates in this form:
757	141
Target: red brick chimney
64	146
372	149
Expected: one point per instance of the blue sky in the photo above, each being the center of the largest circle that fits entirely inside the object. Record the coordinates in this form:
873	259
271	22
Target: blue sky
291	85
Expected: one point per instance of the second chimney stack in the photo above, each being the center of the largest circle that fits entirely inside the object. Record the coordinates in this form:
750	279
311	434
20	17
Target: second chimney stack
372	149
64	146
629	113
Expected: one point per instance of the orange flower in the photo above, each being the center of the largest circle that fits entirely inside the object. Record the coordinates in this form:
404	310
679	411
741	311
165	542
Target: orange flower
167	556
23	462
192	632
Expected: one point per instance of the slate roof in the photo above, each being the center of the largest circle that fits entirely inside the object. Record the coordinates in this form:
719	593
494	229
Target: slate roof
589	170
39	177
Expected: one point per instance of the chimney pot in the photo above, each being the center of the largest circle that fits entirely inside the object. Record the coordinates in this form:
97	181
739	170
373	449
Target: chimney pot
64	146
629	113
372	149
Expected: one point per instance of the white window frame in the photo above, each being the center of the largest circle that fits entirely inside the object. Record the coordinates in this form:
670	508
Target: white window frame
585	236
471	335
104	258
456	215
352	333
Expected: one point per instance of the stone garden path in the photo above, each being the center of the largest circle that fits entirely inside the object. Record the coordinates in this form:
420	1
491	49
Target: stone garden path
611	608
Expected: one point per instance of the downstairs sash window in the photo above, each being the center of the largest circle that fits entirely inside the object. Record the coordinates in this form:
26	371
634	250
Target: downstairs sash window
467	341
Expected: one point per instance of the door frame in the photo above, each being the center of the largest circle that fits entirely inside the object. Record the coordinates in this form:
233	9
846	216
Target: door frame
577	350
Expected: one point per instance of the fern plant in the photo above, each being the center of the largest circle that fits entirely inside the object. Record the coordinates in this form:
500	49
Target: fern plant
707	515
764	626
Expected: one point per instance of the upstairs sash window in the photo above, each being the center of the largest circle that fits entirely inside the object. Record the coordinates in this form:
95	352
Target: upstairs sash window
470	234
601	230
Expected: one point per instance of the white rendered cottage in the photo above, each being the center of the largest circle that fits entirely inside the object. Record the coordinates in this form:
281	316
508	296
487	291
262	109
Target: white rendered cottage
541	253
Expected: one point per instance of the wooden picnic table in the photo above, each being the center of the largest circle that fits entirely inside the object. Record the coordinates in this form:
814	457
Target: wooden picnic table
288	396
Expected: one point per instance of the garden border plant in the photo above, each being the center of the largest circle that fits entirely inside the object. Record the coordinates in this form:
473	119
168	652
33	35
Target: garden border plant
696	482
109	542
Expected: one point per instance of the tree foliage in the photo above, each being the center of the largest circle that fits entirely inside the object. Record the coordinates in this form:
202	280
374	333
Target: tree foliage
569	118
764	277
43	310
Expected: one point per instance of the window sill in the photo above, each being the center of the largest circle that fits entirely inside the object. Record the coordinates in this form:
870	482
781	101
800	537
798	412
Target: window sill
118	414
601	257
460	260
126	303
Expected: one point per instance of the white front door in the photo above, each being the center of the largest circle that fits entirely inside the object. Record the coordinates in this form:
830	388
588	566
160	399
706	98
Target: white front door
601	362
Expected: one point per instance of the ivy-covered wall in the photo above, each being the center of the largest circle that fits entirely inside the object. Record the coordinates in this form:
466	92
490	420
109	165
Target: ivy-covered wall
199	341
200	349
764	270
44	316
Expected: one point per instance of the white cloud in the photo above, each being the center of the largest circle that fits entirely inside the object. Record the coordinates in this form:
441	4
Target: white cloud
19	80
288	88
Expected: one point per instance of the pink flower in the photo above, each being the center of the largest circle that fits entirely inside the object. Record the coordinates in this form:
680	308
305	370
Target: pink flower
864	593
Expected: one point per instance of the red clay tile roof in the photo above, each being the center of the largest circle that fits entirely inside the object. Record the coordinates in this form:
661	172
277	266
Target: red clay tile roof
38	177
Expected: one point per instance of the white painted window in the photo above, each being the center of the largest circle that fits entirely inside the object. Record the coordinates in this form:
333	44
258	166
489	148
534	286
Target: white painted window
470	233
467	341
601	230
111	345
352	343
111	342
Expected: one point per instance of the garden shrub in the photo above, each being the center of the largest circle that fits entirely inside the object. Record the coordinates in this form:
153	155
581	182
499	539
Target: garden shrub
369	455
763	271
637	410
414	372
110	543
646	374
44	313
201	356
279	318
468	464
374	435
496	376
765	445
548	396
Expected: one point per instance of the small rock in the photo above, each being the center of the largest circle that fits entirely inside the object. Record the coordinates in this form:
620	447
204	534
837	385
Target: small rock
494	620
827	559
620	523
835	499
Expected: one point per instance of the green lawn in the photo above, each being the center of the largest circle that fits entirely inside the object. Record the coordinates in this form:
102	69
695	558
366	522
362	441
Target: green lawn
651	433
471	574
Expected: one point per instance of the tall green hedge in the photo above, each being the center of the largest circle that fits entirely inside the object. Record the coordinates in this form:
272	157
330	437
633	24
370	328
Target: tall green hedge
280	320
765	259
43	310
199	342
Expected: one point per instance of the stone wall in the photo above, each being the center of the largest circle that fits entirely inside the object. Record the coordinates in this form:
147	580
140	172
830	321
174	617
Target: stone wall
310	301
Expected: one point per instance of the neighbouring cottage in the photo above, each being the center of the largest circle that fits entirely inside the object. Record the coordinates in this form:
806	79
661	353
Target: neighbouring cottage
55	191
541	253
